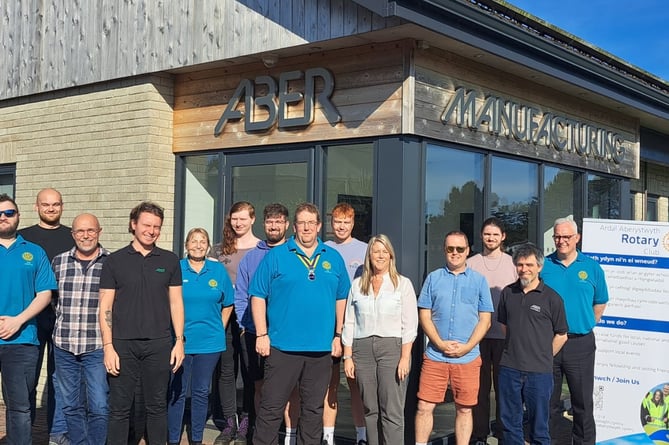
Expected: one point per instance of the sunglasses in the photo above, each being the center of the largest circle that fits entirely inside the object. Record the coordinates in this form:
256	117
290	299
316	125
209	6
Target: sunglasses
9	213
451	249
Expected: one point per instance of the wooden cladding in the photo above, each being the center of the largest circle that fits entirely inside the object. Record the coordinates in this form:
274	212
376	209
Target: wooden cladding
368	94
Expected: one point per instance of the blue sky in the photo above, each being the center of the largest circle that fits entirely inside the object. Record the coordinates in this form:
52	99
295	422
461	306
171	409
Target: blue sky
636	31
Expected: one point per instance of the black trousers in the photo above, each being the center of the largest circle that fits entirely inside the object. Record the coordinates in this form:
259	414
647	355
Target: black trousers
491	353
284	370
146	362
576	362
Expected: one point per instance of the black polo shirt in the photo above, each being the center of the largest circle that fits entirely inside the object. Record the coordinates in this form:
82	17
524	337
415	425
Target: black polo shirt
141	307
531	320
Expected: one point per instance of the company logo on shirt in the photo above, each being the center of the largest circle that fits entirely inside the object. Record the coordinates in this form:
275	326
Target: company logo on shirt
327	265
160	270
535	308
27	256
213	283
583	275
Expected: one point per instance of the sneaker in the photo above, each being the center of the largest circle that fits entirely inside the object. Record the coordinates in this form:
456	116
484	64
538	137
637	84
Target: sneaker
362	442
58	439
229	432
242	430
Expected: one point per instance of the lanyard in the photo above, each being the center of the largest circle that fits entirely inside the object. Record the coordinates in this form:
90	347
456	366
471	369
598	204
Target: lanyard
309	264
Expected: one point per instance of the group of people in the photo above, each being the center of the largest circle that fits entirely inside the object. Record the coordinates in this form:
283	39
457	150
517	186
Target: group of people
140	329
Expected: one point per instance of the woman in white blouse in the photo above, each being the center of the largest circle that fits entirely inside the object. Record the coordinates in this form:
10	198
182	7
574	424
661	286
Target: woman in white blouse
379	329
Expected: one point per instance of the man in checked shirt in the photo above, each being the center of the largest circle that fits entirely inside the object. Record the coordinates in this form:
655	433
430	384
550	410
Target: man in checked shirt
77	341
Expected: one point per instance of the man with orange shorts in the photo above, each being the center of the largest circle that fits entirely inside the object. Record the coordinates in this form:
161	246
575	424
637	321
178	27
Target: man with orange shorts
455	309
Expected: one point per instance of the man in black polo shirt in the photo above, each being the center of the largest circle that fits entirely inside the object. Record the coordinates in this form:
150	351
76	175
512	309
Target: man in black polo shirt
54	238
535	325
141	306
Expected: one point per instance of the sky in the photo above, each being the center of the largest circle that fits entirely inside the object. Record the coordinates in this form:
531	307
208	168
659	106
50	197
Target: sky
636	31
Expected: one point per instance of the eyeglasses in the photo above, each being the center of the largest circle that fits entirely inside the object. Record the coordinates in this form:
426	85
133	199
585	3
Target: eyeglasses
559	238
451	249
81	232
9	213
305	224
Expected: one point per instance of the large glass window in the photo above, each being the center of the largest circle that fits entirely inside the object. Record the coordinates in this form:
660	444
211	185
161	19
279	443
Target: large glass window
349	178
201	193
514	198
260	185
604	199
453	197
561	197
7	179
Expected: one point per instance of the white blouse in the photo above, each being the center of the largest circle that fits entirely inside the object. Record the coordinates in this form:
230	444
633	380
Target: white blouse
392	313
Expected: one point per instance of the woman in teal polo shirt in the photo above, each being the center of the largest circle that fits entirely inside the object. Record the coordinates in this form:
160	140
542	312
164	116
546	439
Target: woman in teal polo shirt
208	297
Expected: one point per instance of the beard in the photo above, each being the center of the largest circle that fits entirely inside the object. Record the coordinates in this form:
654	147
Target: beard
9	231
274	238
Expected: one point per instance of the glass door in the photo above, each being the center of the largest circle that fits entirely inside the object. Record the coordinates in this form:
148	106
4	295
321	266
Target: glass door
264	178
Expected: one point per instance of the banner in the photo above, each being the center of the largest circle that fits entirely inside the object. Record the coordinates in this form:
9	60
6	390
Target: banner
631	393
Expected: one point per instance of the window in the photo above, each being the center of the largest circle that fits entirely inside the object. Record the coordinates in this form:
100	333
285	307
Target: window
453	198
349	178
201	193
561	198
604	200
514	198
8	179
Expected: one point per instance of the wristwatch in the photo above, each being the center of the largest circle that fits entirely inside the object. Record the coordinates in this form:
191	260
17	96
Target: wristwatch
346	357
180	337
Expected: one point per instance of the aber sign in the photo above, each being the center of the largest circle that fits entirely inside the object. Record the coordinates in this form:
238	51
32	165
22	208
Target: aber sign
277	100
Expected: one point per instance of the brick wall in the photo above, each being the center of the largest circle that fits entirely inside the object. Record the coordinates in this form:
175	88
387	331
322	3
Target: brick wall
104	147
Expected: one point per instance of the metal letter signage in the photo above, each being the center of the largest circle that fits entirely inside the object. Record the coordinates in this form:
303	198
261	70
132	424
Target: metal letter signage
524	123
281	93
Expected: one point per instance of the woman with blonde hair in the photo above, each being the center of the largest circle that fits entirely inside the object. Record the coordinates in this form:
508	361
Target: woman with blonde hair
380	327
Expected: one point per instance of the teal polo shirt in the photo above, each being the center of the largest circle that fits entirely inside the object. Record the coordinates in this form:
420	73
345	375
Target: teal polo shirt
25	271
301	311
581	286
205	295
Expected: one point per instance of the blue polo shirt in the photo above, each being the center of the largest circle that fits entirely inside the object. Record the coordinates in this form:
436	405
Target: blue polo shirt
455	302
205	295
581	285
301	312
25	271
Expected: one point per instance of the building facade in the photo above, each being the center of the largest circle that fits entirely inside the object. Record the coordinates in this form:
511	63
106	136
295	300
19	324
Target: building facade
427	116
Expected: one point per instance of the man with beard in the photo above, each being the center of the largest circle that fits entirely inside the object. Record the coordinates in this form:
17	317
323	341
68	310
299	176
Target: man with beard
534	321
298	297
498	269
27	281
275	221
54	238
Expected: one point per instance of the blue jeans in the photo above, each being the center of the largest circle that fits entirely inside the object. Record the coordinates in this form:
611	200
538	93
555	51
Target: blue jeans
18	380
195	372
85	414
532	389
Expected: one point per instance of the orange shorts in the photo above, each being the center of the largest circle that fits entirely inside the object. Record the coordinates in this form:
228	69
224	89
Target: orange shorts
463	377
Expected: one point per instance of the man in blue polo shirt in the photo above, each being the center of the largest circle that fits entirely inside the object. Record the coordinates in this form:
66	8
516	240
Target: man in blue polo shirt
27	281
581	283
454	308
298	299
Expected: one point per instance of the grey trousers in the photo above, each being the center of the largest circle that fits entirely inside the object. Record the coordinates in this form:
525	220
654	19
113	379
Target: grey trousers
383	394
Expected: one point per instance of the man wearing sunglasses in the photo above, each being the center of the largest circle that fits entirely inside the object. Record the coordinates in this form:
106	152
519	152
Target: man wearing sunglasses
581	283
27	281
454	308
